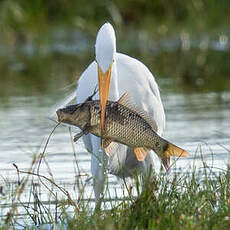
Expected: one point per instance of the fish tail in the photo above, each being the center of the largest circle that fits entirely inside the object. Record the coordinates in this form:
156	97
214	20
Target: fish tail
172	150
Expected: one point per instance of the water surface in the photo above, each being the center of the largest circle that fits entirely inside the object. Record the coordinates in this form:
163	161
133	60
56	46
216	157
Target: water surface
198	122
33	79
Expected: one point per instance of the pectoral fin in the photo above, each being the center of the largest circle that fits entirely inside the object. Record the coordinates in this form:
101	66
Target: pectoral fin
166	163
140	153
78	136
84	131
109	146
106	143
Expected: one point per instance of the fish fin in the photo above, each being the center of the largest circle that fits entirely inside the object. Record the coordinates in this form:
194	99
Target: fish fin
172	150
175	151
85	130
127	101
124	99
166	162
78	136
141	153
110	146
106	143
90	98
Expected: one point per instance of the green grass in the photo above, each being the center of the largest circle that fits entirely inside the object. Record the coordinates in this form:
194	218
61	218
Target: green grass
180	201
196	199
140	28
25	17
191	70
186	202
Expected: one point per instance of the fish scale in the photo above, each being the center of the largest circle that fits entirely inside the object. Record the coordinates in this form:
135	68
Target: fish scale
123	125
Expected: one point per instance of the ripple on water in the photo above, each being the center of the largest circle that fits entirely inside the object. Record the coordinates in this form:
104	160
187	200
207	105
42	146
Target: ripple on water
199	123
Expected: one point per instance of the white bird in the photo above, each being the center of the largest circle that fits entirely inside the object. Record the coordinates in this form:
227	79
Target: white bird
116	74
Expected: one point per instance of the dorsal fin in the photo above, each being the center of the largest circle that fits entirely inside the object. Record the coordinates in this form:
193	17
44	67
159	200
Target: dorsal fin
127	101
91	96
124	99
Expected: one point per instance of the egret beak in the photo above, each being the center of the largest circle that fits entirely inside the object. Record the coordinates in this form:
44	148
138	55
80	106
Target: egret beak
103	82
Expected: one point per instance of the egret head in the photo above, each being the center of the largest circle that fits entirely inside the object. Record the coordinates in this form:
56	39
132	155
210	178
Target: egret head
105	49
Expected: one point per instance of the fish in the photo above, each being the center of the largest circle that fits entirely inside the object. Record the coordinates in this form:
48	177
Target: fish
124	123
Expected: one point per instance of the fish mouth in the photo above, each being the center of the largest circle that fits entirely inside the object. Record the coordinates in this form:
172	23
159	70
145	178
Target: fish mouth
60	115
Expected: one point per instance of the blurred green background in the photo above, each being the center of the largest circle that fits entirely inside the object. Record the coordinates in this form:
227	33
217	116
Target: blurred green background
45	45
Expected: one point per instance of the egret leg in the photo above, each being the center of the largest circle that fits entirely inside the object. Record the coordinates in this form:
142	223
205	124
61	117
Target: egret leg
98	165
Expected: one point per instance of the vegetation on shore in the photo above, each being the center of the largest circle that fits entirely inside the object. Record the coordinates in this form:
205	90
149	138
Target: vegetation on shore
197	199
50	43
33	16
184	41
181	201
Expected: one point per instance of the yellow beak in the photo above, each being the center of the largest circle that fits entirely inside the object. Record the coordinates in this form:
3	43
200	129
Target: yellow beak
104	82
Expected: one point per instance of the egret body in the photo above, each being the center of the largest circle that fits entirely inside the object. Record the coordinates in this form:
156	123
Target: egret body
116	74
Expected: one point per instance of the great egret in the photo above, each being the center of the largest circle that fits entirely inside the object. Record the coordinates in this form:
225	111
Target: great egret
116	74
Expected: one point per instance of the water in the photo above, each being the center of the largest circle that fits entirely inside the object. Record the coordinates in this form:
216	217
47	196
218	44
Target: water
197	122
194	121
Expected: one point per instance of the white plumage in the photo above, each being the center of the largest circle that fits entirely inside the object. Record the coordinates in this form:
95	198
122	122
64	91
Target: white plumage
128	75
